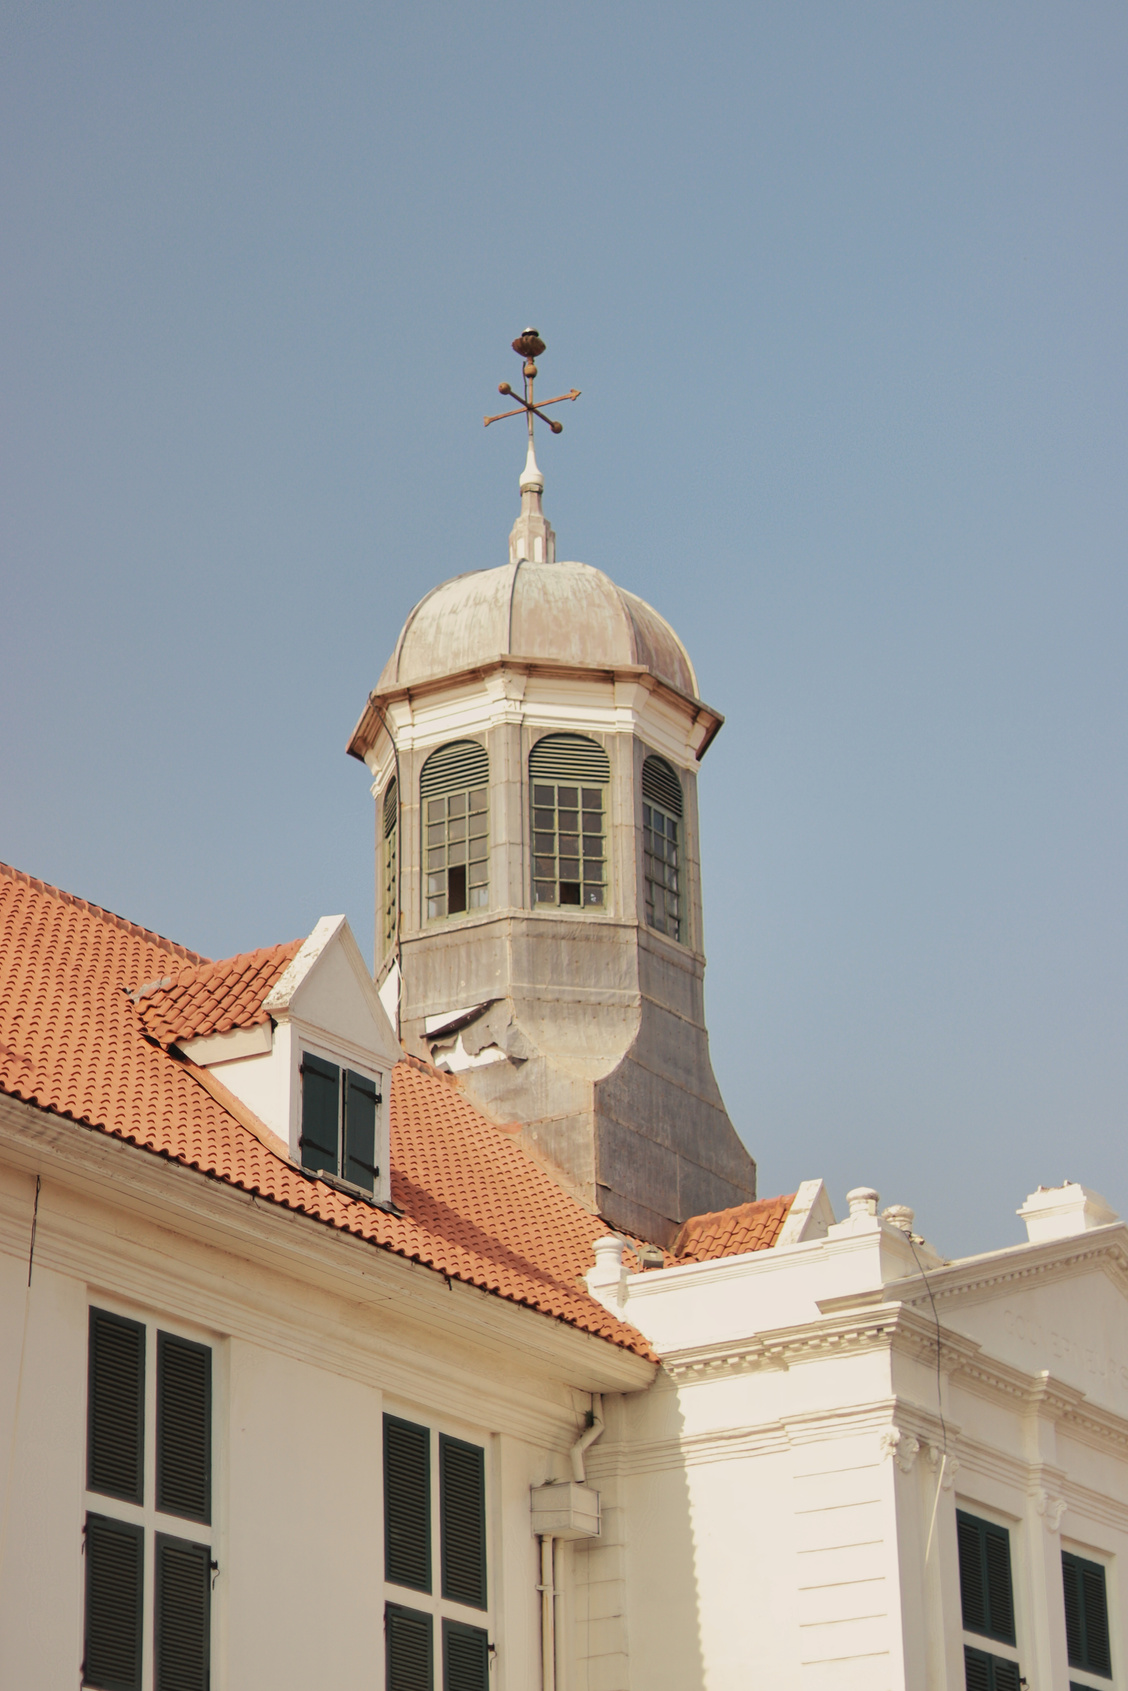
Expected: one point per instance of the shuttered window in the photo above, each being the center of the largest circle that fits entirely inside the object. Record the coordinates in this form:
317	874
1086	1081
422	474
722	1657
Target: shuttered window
989	1673
115	1452
321	1114
338	1134
454	794
391	866
986	1592
182	1615
1086	1614
407	1504
183	1428
466	1657
568	778
115	1568
661	843
462	1508
408	1649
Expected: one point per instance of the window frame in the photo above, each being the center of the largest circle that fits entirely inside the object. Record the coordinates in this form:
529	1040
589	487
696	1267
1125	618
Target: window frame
389	864
379	1081
434	1602
1083	1564
145	1518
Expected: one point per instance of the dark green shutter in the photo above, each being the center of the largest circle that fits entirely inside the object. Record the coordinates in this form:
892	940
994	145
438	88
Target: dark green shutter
986	1593
407	1504
115	1568
1086	1614
183	1428
182	1615
408	1649
462	1506
361	1099
321	1105
466	1657
115	1448
989	1673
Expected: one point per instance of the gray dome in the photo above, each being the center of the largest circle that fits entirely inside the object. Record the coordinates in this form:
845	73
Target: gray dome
567	613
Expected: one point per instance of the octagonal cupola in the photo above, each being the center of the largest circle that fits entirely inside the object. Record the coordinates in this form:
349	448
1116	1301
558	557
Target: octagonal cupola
534	739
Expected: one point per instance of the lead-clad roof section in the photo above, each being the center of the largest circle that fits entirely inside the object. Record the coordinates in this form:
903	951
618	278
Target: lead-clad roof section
563	613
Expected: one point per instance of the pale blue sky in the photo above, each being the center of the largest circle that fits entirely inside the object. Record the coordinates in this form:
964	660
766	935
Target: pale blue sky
843	286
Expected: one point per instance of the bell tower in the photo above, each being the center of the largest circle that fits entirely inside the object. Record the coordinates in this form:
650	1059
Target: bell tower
534	741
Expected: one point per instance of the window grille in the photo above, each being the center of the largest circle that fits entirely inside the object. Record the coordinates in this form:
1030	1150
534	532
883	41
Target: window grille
568	775
391	876
454	791
661	825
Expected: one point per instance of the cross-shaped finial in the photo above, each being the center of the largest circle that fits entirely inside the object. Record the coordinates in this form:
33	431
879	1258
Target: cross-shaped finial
529	346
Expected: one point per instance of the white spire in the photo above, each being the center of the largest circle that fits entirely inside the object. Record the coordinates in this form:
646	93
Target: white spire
531	538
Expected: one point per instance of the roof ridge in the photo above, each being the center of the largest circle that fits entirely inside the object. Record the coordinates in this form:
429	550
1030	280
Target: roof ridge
110	917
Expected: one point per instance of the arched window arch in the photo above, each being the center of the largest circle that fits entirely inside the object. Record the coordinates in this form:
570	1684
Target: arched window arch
390	877
568	780
661	846
454	798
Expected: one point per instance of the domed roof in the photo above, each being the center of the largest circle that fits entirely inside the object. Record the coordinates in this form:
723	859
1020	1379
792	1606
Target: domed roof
567	613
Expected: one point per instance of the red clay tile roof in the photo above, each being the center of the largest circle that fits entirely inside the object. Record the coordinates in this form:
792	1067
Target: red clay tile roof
475	1206
729	1233
187	1003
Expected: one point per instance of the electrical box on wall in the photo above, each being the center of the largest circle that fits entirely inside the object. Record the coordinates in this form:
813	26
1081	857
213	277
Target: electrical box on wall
565	1509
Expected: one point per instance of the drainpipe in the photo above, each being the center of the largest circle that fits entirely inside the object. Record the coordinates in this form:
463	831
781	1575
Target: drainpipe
589	1435
548	1557
548	1612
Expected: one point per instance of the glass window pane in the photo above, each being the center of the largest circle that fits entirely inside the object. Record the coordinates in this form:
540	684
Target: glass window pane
544	867
544	795
457	828
544	842
592	871
593	798
593	895
569	842
569	868
436	907
436	859
593	822
456	804
568	796
546	892
478	800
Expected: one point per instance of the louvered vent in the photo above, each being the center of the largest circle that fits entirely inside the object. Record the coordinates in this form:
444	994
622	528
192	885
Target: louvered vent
466	1657
116	1406
661	786
391	805
183	1428
462	1500
407	1518
182	1615
115	1556
407	1649
569	757
455	769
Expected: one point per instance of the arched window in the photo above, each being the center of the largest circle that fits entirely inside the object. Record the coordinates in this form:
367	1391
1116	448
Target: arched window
454	795
661	825
390	877
568	778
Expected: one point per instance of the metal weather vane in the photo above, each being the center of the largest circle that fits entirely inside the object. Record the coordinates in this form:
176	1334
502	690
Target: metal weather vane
529	346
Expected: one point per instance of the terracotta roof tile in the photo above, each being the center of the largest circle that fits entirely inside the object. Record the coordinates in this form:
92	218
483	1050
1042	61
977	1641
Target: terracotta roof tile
729	1233
475	1206
212	997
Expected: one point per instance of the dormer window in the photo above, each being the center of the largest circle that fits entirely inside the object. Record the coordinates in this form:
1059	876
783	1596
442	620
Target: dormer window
338	1133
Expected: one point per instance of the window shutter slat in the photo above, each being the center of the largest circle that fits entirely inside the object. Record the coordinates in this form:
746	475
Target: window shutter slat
454	769
1000	1596
569	757
115	1564
407	1500
661	786
408	1649
183	1428
321	1102
462	1500
182	1615
972	1587
1006	1675
466	1657
116	1407
360	1130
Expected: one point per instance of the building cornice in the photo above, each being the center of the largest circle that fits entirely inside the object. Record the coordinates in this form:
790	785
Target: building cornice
375	712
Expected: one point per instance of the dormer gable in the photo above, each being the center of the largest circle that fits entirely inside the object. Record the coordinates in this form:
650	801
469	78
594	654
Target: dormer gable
298	1035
